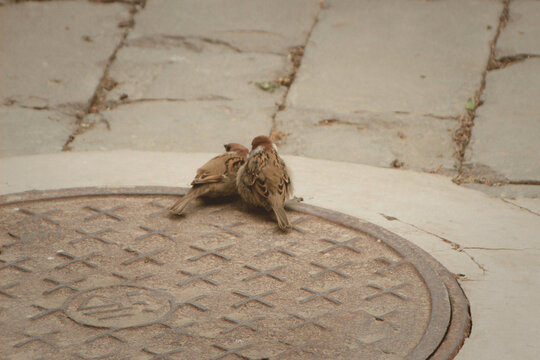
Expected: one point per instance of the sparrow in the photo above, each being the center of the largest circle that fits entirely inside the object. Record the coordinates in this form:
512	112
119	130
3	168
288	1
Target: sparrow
264	180
216	178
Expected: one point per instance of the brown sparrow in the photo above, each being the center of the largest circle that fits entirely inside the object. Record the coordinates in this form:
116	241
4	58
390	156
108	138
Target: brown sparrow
264	180
216	178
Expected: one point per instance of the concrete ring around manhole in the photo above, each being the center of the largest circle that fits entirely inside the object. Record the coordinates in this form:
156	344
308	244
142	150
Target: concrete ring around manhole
108	273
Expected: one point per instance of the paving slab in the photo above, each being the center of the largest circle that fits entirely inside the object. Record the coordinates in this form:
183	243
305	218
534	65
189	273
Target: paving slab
150	69
507	126
245	25
508	285
385	80
386	56
56	51
176	126
379	139
520	35
196	84
29	131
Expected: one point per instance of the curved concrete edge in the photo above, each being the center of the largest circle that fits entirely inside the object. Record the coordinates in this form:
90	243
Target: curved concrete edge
491	244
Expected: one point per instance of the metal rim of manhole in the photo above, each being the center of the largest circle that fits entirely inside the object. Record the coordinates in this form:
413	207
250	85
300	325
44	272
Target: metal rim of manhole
107	273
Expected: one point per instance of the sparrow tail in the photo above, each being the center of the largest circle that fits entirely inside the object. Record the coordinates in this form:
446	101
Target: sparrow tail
283	221
193	193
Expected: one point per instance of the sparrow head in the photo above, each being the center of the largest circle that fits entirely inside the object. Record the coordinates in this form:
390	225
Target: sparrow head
237	148
263	141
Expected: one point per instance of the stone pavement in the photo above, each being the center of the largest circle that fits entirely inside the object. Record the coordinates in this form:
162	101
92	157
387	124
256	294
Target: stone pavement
444	87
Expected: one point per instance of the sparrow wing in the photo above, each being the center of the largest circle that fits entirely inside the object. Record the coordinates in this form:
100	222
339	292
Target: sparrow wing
261	187
255	178
285	188
211	172
277	181
207	179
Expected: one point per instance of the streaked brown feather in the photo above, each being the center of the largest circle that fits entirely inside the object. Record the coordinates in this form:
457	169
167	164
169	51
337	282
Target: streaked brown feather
216	178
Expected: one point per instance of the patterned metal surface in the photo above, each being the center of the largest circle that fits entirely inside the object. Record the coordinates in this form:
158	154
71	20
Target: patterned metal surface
90	275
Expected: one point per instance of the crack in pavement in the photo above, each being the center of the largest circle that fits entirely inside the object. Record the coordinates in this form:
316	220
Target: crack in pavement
520	207
220	42
106	83
441	117
295	55
524	182
455	246
113	104
69	109
191	43
332	121
462	135
130	2
505	61
499	249
167	41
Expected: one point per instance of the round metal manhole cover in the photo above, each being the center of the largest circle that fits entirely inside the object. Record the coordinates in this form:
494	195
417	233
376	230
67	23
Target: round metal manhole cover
108	274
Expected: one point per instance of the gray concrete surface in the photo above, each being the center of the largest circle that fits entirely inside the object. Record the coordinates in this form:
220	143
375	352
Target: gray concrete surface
379	139
209	68
250	26
409	66
56	51
520	35
506	285
176	126
147	71
379	83
508	192
27	131
511	117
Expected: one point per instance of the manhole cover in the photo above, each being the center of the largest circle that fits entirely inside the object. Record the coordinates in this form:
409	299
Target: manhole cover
108	274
